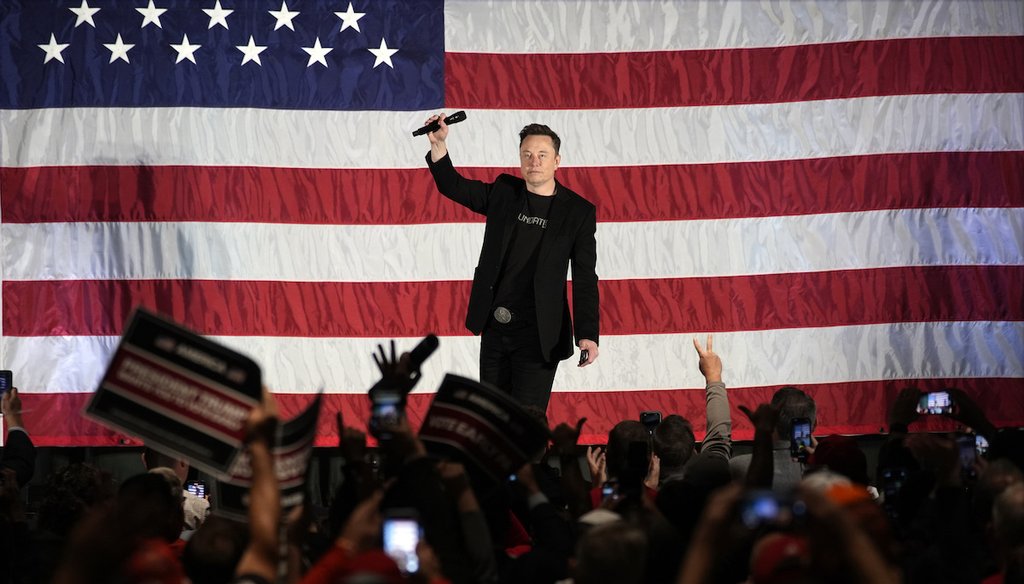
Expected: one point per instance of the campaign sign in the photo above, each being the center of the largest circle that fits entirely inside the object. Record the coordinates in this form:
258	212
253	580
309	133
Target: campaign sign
293	447
481	426
179	392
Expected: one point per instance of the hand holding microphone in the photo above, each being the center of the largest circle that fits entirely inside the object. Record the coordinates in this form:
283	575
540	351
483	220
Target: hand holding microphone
436	128
402	372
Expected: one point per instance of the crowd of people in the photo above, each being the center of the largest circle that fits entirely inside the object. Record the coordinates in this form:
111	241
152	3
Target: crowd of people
652	505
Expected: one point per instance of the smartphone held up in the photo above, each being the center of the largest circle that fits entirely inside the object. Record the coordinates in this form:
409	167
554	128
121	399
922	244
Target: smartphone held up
197	488
386	412
402	535
800	439
650	419
936	403
764	508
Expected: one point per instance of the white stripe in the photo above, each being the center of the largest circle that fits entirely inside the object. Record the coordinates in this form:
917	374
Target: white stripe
690	135
632	362
387	253
566	26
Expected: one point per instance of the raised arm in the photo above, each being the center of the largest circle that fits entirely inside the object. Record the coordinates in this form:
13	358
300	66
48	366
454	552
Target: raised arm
718	437
472	194
261	556
438	146
761	472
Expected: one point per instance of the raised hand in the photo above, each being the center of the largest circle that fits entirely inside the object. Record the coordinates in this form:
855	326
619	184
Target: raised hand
970	414
764	418
394	370
351	441
262	422
596	464
564	438
710	363
362	530
440	135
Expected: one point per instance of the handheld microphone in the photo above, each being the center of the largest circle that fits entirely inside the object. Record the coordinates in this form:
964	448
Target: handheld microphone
423	350
436	125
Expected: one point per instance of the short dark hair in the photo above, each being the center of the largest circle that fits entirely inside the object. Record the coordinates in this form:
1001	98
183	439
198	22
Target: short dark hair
619	438
540	130
673	442
213	552
146	506
69	493
793	403
611	553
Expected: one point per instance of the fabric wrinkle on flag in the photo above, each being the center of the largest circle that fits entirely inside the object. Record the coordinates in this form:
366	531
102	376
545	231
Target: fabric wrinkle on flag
833	188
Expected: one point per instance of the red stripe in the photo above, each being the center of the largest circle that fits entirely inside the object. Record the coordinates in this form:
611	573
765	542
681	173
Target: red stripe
408	309
735	76
846	408
401	197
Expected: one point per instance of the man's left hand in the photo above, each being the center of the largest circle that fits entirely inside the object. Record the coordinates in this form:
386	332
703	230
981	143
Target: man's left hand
591	348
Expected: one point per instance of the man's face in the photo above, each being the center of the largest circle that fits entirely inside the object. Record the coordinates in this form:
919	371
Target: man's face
539	160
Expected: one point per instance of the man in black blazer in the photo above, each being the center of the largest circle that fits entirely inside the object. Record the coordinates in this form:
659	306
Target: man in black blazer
535	228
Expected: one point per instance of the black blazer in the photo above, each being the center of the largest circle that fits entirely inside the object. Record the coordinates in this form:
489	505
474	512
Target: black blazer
569	237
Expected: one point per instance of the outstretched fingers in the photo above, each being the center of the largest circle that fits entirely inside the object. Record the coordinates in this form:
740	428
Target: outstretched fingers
703	351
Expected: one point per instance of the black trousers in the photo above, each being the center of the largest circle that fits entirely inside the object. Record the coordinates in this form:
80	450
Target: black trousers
511	359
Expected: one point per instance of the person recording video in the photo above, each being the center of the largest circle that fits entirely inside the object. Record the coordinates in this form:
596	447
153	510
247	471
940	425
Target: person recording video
536	228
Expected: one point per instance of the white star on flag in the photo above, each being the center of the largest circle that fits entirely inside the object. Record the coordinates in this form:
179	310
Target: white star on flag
119	50
217	15
349	18
317	53
284	17
53	50
151	14
84	13
251	51
383	54
185	50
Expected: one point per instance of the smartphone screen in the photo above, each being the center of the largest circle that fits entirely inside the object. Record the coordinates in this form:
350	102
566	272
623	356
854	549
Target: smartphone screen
401	536
760	508
6	381
935	403
197	488
800	438
385	413
609	489
980	445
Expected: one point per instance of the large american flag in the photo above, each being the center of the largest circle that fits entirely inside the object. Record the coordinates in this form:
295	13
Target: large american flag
834	188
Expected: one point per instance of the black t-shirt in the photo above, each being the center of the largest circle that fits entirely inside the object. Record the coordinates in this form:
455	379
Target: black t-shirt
515	286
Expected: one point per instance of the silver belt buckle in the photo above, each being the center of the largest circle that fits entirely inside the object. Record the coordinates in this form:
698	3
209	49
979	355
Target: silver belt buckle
502	315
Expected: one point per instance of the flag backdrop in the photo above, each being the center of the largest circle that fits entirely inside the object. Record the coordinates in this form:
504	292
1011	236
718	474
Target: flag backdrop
835	189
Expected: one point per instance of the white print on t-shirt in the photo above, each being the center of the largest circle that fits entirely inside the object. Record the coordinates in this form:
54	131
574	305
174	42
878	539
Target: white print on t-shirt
524	218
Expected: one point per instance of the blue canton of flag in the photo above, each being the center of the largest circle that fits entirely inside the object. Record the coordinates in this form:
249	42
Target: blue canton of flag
381	55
